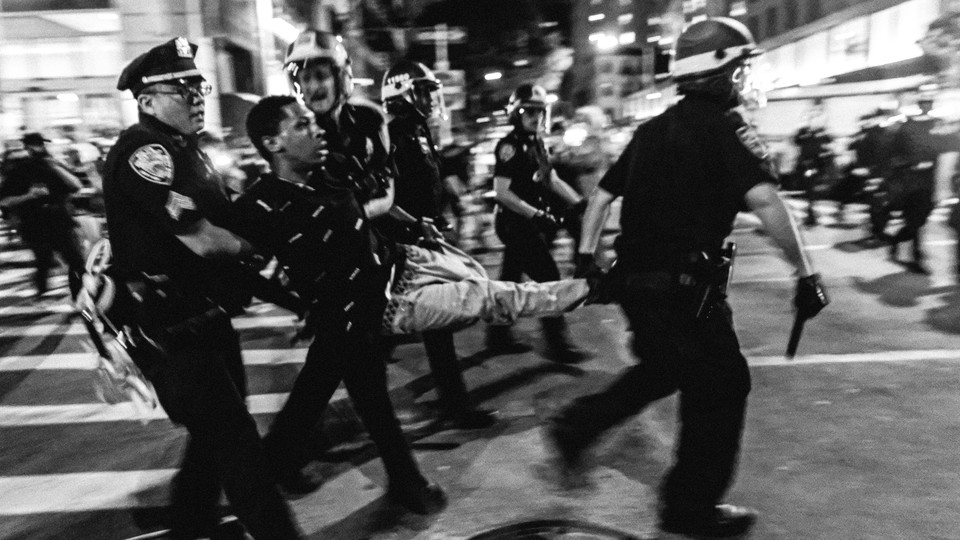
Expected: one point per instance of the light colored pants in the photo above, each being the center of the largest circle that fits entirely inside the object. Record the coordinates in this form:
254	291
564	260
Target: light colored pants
448	288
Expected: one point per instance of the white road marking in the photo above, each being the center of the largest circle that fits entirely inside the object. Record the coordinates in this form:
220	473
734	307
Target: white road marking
871	357
87	360
83	492
76	328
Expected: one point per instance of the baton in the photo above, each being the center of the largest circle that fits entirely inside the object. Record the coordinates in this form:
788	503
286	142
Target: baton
795	333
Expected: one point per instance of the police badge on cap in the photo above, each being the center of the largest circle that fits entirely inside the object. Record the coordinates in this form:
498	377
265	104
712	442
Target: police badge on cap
168	62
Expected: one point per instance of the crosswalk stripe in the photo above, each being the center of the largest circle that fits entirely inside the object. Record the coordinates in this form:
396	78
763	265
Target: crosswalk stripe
880	356
87	360
76	328
83	492
86	413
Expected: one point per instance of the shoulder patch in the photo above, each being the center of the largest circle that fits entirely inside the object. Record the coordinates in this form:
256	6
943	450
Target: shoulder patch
748	136
506	152
153	163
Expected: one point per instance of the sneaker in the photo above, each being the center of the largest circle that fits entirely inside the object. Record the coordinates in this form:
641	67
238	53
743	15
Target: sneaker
427	499
723	521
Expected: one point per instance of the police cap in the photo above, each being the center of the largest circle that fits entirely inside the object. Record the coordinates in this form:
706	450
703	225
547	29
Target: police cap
170	61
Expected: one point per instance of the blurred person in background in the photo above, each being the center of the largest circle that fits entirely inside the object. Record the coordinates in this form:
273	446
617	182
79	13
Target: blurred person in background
37	191
913	153
411	96
815	159
527	216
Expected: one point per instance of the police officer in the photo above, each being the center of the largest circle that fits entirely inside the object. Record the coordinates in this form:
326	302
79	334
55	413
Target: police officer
165	212
411	95
913	158
683	177
814	160
358	142
527	216
37	190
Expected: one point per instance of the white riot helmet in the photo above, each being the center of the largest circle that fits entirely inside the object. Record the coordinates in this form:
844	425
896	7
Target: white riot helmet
713	57
319	46
528	96
413	85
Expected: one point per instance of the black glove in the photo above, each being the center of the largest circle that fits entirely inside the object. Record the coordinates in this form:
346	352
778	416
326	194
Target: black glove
545	222
811	297
584	265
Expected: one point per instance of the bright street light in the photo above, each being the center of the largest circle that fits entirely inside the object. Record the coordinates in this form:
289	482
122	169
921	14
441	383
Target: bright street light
493	76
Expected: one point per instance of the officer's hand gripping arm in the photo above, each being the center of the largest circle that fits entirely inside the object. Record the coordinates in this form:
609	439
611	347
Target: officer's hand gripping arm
212	242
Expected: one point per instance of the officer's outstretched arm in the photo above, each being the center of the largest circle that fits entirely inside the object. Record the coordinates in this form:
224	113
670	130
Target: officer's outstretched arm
509	199
766	203
593	220
212	242
563	189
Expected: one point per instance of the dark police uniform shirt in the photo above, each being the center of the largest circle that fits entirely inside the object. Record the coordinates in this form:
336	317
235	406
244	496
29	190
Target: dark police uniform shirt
683	178
523	158
334	260
920	140
417	184
157	183
358	152
22	171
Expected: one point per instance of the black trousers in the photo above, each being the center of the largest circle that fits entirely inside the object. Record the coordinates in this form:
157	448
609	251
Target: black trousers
447	376
702	361
911	193
46	239
527	251
200	382
354	359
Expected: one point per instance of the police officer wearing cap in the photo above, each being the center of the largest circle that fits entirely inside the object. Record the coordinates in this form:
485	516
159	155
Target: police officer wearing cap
532	204
683	178
166	214
411	95
913	151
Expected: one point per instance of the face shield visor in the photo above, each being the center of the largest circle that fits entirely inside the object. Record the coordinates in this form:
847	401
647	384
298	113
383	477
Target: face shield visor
428	98
534	117
745	85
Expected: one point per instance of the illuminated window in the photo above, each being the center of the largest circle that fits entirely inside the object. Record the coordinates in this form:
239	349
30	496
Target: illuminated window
626	18
596	17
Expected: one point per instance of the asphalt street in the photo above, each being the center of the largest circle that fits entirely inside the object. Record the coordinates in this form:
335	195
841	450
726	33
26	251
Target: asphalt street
853	439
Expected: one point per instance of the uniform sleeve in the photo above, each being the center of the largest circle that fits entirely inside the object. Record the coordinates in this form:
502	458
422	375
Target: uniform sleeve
148	179
743	154
507	156
615	178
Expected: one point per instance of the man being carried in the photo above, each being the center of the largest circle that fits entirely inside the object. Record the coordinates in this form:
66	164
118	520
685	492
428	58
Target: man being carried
357	285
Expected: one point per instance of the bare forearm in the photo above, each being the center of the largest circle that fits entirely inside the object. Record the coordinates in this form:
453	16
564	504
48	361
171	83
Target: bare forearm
593	220
509	199
781	227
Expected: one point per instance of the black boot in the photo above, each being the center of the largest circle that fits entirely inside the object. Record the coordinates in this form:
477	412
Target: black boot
559	348
722	521
500	340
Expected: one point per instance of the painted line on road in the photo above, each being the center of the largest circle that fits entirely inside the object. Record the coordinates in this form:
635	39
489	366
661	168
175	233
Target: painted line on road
87	413
871	357
87	360
77	329
83	492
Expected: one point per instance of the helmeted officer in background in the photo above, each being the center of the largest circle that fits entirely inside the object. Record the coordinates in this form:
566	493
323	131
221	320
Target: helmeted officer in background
683	178
166	211
527	216
37	190
319	69
412	95
815	159
913	162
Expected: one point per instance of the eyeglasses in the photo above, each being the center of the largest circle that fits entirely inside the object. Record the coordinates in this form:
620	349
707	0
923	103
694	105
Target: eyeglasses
187	91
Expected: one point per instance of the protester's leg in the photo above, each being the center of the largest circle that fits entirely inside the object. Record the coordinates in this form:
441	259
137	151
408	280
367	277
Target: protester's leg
444	305
68	245
42	260
366	382
288	442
